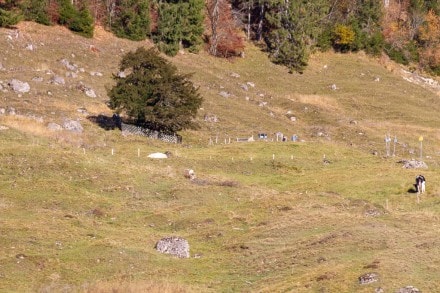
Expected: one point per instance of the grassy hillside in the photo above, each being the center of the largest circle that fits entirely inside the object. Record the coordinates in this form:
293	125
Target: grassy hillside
82	212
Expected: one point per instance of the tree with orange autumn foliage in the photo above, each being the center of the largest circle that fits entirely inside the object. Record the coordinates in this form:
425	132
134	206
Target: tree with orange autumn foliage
226	39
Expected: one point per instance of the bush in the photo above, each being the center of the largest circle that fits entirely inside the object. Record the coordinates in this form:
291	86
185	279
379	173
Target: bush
396	54
375	44
344	37
325	40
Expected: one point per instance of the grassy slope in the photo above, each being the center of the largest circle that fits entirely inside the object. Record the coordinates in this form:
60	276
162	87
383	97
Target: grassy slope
85	219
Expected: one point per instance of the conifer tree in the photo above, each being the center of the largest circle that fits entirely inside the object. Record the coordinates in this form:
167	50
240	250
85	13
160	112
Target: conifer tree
36	10
180	24
131	19
154	94
292	29
9	13
79	21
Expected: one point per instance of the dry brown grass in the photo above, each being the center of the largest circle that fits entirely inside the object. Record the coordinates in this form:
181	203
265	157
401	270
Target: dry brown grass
137	286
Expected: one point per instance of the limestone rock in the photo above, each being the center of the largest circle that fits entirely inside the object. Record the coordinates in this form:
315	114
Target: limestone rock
368	278
173	245
73	126
19	86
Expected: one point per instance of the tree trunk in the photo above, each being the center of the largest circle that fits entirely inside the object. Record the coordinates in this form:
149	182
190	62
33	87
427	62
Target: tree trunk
214	17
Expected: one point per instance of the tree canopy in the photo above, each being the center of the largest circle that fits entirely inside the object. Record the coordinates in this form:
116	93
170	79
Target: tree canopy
289	31
154	94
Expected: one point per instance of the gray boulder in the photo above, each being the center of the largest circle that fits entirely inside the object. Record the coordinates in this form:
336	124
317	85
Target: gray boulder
68	65
368	278
173	245
90	93
19	86
413	164
72	125
408	289
54	126
224	94
58	80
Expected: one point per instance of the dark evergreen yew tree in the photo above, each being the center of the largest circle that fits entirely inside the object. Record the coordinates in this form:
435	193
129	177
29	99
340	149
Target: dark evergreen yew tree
153	94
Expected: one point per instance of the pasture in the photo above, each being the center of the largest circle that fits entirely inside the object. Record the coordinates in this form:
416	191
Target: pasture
82	212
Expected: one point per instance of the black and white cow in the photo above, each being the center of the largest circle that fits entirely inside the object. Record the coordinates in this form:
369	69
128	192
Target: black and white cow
420	184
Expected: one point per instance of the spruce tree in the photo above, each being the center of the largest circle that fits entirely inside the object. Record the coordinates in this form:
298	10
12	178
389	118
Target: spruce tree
132	19
36	10
79	21
154	94
292	29
180	24
8	18
9	13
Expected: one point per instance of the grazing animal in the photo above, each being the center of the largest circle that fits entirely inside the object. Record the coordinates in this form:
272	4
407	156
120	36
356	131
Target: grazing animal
420	184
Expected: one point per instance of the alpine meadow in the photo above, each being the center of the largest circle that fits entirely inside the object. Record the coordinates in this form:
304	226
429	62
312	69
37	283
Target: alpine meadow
294	167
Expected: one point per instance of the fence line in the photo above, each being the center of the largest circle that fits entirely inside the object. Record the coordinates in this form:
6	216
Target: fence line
129	129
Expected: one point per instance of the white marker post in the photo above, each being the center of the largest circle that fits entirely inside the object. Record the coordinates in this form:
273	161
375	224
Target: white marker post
421	146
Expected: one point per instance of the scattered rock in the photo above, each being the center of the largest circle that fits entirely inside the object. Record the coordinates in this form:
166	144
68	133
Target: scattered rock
93	73
413	164
3	127
69	66
157	156
224	94
37	79
11	111
189	174
87	90
408	289
121	74
372	213
2	68
82	111
20	256
368	278
2	111
30	47
379	290
236	75
19	86
334	87
72	125
90	93
211	118
71	74
413	77
175	246
54	126
250	83
244	87
377	79
58	80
